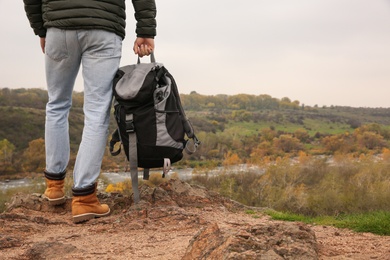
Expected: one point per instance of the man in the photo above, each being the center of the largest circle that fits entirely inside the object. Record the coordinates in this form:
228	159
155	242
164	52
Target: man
87	33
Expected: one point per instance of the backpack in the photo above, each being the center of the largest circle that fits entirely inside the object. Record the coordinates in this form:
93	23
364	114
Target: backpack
151	121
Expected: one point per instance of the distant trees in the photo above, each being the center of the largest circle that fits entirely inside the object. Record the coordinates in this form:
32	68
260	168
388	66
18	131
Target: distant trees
6	151
363	139
229	147
302	135
370	141
195	101
6	155
341	143
233	129
287	143
34	156
33	98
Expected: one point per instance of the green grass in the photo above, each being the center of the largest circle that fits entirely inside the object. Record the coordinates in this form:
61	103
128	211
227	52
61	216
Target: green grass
373	222
253	213
315	125
312	126
245	128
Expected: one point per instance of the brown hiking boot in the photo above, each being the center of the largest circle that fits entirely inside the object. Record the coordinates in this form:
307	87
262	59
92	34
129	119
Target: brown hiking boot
86	205
54	192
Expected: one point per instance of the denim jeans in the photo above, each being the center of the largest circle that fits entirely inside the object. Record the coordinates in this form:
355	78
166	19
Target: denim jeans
99	53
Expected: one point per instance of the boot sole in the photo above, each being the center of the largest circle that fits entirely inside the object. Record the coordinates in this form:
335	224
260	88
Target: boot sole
87	216
55	202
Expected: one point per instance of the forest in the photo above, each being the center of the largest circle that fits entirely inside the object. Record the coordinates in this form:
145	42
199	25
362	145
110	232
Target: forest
233	129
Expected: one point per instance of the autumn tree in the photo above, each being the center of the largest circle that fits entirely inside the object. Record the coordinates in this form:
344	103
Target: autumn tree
302	135
6	154
228	187
259	153
342	143
231	159
371	141
34	156
241	115
287	143
268	134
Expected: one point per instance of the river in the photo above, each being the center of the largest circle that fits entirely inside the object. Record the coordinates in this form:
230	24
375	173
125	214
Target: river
114	177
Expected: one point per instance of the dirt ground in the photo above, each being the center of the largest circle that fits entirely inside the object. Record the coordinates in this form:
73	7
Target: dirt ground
30	229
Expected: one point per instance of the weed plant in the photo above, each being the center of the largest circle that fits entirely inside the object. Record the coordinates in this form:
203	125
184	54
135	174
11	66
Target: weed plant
125	187
346	189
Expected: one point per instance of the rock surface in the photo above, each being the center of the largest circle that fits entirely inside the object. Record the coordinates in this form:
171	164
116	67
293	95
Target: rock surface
173	221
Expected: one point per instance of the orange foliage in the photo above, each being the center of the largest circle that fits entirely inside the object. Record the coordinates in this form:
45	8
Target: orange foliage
231	159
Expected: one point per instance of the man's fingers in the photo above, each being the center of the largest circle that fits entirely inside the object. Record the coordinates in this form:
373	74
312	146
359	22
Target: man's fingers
143	46
143	50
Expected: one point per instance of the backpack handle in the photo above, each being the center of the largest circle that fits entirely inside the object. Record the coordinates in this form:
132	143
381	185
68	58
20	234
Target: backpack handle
152	58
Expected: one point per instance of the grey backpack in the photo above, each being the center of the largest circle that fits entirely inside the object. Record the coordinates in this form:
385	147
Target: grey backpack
152	125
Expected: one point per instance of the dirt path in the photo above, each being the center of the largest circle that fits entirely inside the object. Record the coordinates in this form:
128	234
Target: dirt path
201	226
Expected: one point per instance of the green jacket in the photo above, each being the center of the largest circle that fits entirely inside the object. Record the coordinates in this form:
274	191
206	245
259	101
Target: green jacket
108	15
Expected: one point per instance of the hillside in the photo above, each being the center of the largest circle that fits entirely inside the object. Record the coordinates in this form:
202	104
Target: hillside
173	221
240	128
22	115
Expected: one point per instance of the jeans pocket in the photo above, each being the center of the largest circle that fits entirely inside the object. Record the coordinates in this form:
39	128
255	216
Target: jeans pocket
55	46
104	44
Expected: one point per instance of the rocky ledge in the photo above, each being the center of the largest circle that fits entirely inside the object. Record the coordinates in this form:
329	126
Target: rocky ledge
173	221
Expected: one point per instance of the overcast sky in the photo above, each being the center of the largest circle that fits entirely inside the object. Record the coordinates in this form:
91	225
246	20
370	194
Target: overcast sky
319	52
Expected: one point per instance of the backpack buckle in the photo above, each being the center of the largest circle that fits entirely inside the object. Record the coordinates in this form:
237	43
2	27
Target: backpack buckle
130	126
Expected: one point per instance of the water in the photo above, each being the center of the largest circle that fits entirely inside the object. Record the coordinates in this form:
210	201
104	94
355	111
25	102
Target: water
19	183
185	174
113	177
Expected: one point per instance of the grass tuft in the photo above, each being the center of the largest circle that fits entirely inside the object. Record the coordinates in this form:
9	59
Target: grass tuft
373	222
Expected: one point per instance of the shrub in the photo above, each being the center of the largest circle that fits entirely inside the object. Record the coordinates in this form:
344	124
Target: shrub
312	187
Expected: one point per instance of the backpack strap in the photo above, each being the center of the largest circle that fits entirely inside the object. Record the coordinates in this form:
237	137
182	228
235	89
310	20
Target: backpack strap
166	169
167	166
152	58
186	123
133	156
146	173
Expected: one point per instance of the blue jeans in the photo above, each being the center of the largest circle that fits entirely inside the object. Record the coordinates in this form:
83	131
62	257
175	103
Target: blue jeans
99	53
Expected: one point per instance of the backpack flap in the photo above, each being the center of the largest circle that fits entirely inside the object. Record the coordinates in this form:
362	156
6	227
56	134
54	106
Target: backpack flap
136	83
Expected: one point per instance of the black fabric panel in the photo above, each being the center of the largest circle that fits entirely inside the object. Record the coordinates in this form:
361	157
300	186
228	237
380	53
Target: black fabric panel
153	156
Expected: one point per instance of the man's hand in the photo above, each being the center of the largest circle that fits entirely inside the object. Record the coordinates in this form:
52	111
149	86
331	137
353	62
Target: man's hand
43	43
143	46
